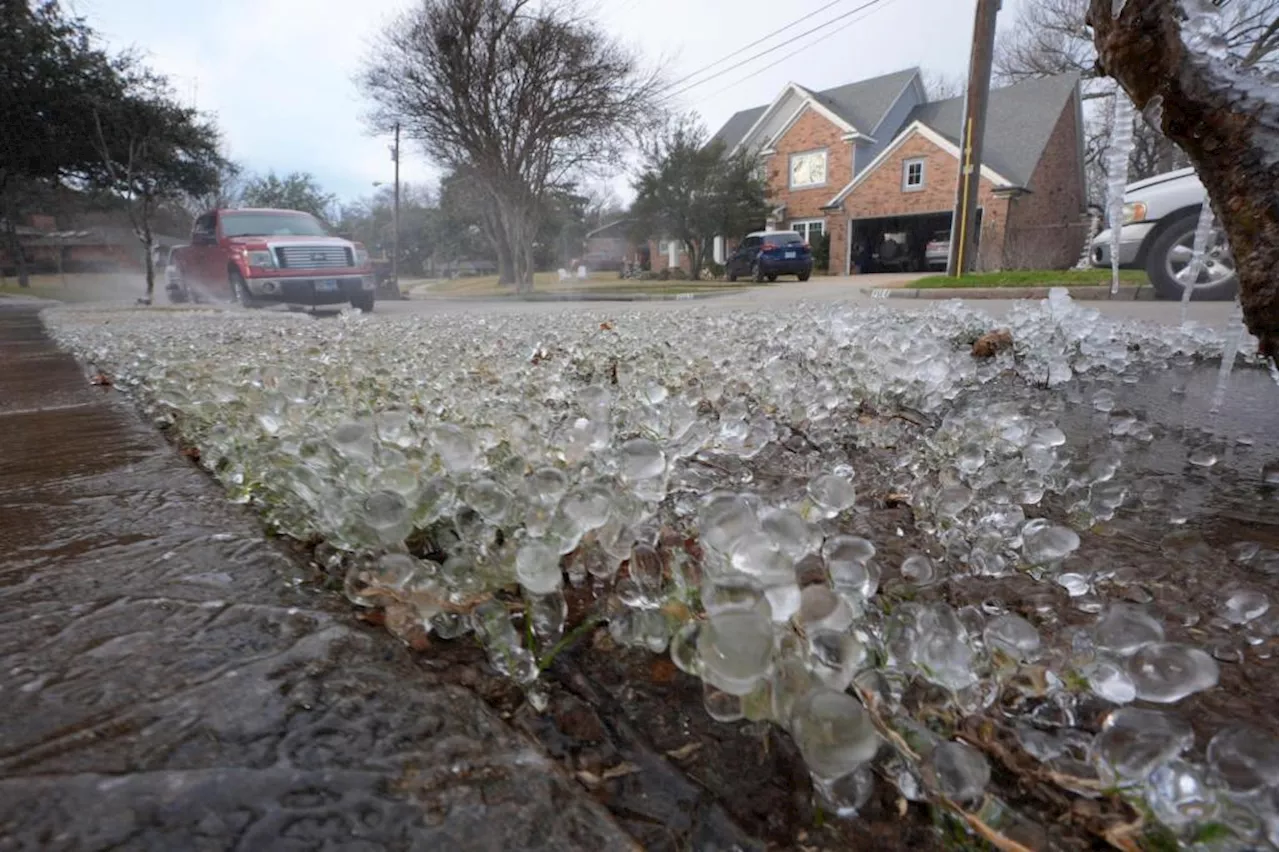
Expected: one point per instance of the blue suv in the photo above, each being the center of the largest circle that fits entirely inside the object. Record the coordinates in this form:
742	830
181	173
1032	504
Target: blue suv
764	255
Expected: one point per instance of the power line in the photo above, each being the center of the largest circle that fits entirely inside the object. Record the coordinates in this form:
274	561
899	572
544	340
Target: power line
798	50
766	52
762	38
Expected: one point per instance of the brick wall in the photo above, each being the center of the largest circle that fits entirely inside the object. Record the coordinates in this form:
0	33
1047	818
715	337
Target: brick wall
881	194
1046	227
812	132
658	259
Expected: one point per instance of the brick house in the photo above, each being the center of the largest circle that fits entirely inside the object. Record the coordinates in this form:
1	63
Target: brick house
874	162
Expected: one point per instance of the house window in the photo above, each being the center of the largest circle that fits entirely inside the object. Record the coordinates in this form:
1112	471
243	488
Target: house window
912	175
662	246
808	169
810	229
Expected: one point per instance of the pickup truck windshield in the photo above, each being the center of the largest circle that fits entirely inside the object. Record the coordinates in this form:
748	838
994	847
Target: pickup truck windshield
271	225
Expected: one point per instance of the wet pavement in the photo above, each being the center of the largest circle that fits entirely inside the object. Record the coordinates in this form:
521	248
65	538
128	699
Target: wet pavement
170	684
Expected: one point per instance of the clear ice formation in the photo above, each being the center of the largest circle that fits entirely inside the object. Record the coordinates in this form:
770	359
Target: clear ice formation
463	470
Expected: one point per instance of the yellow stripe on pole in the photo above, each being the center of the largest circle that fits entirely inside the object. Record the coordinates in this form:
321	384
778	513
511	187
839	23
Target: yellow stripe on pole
966	169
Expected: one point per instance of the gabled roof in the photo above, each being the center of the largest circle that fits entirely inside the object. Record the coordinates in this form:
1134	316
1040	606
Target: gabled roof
913	129
861	105
864	103
603	228
1020	119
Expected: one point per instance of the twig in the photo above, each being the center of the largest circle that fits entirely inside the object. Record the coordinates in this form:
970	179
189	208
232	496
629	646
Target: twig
989	834
568	639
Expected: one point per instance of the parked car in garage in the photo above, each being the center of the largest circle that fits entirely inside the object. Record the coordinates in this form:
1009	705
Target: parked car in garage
764	255
938	250
1158	231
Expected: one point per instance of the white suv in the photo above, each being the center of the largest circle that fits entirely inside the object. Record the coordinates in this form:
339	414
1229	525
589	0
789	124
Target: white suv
1160	215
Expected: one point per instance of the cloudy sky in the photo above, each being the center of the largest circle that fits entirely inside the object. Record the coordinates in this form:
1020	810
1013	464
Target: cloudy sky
278	73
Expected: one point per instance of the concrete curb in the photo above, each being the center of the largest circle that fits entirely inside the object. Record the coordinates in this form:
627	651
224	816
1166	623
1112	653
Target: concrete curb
582	297
1126	293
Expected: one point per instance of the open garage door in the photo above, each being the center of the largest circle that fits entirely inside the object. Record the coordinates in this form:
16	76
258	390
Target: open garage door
901	243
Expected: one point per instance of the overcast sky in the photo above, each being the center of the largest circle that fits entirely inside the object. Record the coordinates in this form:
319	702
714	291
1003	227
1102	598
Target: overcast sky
278	73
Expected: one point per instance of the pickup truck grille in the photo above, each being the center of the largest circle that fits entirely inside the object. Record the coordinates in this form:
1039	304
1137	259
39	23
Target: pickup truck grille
314	257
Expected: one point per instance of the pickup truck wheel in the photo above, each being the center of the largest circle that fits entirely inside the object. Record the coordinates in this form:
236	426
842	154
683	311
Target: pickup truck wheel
363	302
803	276
240	291
1170	254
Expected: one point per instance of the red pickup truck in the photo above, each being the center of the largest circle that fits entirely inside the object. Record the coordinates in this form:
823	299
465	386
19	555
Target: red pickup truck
258	257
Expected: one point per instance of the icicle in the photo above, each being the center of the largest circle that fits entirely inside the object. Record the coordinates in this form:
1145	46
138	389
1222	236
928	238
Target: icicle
1230	348
1190	273
1117	177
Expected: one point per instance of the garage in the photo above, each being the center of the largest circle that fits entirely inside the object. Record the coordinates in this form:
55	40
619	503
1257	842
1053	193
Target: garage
897	243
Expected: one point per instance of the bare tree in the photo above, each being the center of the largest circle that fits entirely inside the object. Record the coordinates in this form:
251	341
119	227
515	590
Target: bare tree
939	86
1222	111
523	96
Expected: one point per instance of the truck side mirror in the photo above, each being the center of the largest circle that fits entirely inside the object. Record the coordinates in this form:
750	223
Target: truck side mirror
203	238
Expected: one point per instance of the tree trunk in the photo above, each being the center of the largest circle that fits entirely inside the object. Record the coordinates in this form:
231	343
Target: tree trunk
1225	118
694	249
15	248
147	241
1164	155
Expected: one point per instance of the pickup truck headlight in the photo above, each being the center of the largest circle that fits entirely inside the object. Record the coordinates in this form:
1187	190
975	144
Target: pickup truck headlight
362	257
260	259
1134	211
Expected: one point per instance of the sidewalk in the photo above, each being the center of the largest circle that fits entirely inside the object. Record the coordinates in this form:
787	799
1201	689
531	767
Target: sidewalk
166	686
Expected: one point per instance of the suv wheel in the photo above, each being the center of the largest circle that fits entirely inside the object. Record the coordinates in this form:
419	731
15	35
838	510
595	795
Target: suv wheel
1170	255
756	274
363	302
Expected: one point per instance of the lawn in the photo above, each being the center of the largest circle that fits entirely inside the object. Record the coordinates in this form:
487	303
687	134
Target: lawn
81	287
1032	278
549	282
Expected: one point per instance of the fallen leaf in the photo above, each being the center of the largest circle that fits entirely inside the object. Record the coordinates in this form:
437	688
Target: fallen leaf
102	380
621	770
606	326
684	751
992	342
588	779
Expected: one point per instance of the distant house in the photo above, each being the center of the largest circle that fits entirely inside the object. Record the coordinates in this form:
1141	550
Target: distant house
103	248
875	161
610	246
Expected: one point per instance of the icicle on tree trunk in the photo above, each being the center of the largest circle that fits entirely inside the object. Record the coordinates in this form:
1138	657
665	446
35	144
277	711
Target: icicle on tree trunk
1235	331
1190	273
1118	176
1223	114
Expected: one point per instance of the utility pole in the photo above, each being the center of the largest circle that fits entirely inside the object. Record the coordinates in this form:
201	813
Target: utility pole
964	225
395	214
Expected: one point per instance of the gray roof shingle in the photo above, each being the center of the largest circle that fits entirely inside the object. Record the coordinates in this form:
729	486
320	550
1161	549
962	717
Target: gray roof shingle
862	104
1020	119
